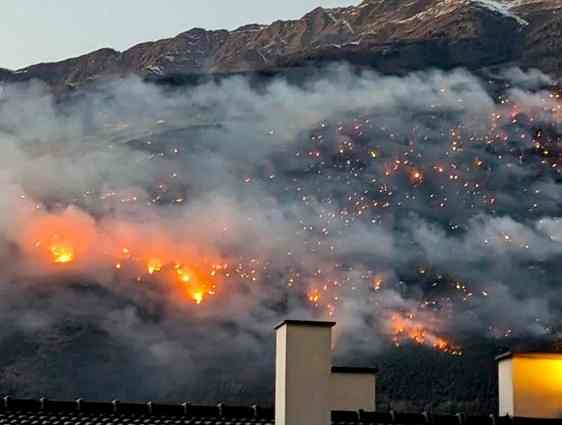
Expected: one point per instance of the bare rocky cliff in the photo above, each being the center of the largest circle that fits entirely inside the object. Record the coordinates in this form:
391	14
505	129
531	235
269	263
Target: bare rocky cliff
388	35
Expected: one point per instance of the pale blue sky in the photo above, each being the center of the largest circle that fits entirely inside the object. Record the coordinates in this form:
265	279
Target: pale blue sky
34	31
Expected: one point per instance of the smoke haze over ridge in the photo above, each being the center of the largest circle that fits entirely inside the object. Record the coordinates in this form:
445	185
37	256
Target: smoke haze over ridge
414	208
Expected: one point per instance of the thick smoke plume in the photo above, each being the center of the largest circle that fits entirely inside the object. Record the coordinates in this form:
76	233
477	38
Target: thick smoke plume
151	237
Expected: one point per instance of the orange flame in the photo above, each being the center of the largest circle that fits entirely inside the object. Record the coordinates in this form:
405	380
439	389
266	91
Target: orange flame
183	275
62	254
198	297
60	239
377	282
415	176
410	328
314	296
154	265
196	286
72	240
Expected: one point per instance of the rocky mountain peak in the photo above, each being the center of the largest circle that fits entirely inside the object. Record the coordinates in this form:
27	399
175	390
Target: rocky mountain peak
389	35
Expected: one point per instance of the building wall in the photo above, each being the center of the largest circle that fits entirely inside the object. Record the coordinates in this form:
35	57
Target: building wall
303	375
530	385
281	375
352	391
505	387
537	383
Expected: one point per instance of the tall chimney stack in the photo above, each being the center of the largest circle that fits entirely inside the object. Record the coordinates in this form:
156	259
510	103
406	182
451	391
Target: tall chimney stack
307	388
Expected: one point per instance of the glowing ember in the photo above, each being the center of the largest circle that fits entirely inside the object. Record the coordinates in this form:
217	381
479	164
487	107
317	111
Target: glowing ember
415	176
183	274
62	254
154	265
377	283
193	281
198	297
314	296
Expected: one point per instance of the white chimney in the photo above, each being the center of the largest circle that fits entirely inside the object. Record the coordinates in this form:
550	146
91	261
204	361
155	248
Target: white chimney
530	385
307	388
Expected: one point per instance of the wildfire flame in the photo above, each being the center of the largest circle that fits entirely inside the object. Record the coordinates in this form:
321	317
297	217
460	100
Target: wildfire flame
314	296
377	282
154	265
183	274
198	297
415	176
196	287
409	328
72	238
194	281
62	254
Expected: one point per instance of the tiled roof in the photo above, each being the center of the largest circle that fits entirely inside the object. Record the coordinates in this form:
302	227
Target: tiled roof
46	412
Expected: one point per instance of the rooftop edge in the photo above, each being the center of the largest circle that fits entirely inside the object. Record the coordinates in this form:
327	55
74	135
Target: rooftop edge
511	354
355	370
311	323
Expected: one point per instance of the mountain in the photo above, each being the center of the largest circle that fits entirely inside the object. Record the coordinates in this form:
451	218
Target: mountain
389	35
5	74
542	44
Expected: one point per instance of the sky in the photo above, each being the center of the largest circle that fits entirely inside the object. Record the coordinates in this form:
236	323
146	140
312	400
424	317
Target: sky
34	31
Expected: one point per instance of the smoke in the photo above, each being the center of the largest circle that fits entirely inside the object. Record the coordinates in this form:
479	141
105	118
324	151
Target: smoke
156	232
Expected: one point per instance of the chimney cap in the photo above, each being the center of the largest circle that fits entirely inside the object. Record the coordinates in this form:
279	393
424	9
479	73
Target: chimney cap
529	353
504	356
312	323
355	370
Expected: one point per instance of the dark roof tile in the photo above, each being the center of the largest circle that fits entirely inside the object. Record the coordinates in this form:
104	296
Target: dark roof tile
47	412
80	412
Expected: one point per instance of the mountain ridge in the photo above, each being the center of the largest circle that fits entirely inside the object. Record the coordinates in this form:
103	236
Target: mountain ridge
388	35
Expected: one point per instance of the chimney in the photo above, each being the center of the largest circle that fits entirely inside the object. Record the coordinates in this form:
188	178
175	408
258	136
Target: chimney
307	387
530	385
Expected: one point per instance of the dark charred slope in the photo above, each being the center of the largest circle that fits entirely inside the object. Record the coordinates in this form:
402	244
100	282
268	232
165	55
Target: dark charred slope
543	41
5	74
391	36
76	360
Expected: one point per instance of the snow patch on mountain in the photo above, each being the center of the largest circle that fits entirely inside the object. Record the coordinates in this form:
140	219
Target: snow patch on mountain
155	69
501	8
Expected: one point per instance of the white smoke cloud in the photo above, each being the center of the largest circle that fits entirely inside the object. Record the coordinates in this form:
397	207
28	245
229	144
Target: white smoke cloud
227	170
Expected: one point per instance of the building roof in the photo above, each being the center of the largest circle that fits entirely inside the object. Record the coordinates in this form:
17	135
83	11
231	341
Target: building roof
355	370
79	412
530	353
313	323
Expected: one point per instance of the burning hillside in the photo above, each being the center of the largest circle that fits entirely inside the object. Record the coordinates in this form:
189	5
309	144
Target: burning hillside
421	210
71	241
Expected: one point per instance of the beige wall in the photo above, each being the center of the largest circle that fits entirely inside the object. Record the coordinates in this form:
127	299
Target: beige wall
536	382
505	385
302	375
306	389
280	375
352	391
